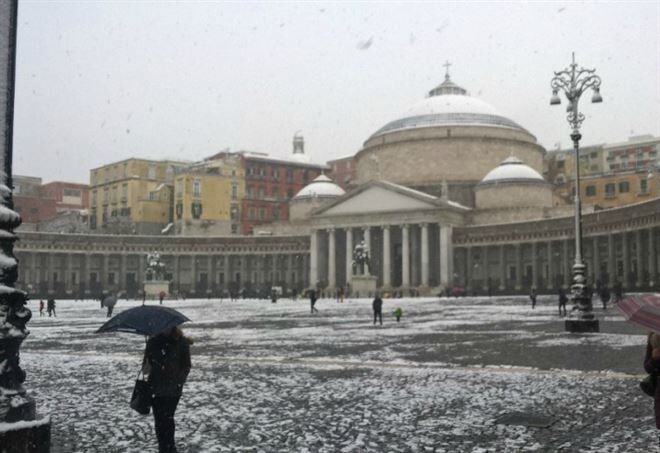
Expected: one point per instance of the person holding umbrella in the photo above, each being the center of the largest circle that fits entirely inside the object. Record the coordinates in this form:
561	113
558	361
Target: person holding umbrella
166	362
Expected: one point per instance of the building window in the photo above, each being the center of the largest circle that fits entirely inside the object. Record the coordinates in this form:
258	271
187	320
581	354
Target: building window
151	172
560	164
610	189
289	175
179	210
252	213
124	191
233	213
624	186
250	192
72	193
591	191
276	213
196	210
262	193
197	188
106	195
234	229
234	192
643	186
276	173
262	213
153	196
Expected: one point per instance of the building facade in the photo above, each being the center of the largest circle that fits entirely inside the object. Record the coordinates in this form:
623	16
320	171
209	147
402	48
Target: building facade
133	196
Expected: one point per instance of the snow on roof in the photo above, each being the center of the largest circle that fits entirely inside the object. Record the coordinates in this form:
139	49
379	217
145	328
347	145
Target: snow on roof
320	187
512	169
424	195
289	160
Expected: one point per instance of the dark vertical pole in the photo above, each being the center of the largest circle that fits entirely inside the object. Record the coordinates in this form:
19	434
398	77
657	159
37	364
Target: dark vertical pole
15	404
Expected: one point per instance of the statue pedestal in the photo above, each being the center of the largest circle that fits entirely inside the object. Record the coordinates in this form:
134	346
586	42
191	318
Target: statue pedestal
363	286
152	288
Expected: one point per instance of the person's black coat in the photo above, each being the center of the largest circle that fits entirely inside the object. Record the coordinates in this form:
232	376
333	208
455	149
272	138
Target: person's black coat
377	304
168	358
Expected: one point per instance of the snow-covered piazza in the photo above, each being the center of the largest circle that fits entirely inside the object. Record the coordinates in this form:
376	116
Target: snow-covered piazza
455	375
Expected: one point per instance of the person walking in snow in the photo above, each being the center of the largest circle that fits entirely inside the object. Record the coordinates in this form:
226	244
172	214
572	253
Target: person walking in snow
50	307
167	364
312	300
562	301
532	296
604	296
398	313
41	307
377	306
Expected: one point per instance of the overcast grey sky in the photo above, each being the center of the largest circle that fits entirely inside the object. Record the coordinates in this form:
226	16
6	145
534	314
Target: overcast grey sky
99	82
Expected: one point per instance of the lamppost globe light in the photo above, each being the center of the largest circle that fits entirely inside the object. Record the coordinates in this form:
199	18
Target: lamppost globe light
596	98
555	100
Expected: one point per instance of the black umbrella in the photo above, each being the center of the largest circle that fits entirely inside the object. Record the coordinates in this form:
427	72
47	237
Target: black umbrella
146	320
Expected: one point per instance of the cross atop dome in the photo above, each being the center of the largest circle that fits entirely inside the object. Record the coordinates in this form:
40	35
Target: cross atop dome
446	65
447	87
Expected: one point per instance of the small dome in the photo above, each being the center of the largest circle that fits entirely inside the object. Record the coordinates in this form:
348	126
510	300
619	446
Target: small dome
321	187
512	169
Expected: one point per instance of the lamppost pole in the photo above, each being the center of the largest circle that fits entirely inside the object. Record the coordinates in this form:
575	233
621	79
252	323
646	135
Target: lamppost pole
573	81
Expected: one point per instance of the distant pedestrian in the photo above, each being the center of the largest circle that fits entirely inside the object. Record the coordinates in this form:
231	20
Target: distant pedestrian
41	307
604	296
50	307
398	313
110	301
312	300
273	296
377	305
532	296
618	292
144	297
161	296
562	302
341	295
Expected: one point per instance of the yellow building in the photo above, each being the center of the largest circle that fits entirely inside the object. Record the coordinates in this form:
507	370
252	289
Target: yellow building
207	197
132	196
612	190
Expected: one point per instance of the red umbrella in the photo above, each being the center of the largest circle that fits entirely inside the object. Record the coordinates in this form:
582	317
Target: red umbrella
642	309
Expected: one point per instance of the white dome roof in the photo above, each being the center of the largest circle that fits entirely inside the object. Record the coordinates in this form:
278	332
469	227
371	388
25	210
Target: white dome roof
512	169
449	105
321	187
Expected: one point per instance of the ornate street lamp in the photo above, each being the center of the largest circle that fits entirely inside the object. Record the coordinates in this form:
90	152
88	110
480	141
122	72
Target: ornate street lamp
574	81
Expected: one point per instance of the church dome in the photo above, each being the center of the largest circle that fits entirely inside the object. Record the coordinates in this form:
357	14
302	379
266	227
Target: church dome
512	169
320	187
449	105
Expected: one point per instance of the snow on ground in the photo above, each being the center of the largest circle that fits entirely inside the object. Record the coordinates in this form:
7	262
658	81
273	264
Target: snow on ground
275	378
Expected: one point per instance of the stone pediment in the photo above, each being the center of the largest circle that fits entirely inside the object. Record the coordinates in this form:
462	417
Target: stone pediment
380	197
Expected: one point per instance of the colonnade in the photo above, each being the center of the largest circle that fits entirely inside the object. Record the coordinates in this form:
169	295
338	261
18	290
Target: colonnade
628	257
401	256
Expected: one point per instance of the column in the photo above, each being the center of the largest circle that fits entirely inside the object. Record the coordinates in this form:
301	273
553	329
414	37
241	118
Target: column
306	277
140	273
49	272
275	268
425	254
535	260
596	269
104	271
566	261
484	268
445	256
405	257
313	258
468	270
626	261
518	267
502	269
638	258
211	269
227	271
193	274
651	257
175	275
611	260
122	273
68	276
551	275
387	272
332	268
349	256
367	241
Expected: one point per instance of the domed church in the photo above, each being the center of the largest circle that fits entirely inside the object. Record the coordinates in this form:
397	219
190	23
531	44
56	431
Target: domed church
451	193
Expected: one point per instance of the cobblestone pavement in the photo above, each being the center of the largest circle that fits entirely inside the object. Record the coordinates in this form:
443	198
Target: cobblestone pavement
274	378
